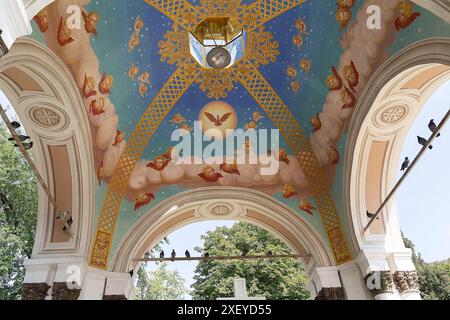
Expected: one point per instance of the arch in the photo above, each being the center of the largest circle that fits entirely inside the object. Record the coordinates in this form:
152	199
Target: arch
33	78
221	203
405	81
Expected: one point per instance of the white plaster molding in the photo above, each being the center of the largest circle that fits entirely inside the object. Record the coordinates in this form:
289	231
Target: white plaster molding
384	90
325	277
60	92
14	21
440	8
355	288
32	7
197	200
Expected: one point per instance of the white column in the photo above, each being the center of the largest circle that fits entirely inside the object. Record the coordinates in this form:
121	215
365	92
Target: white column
323	279
14	21
99	283
355	287
401	262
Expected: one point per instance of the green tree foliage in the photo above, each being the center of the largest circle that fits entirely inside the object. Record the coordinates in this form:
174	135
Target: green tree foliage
18	211
161	284
434	278
272	278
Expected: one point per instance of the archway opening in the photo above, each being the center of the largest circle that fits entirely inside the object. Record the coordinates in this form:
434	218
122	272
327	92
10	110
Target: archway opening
230	250
18	207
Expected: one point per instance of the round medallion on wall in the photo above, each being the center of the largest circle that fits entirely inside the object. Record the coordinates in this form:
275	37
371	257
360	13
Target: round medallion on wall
220	210
49	117
391	115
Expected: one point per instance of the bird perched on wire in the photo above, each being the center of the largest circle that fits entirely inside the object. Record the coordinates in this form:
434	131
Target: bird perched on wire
15	125
26	145
147	255
405	164
433	127
244	252
206	255
187	254
173	255
161	254
22	138
422	141
270	253
131	272
371	215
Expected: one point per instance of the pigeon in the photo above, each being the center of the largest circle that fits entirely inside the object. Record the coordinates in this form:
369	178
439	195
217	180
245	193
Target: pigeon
131	272
433	127
187	254
206	255
423	142
15	125
173	255
161	254
22	138
371	215
405	164
26	145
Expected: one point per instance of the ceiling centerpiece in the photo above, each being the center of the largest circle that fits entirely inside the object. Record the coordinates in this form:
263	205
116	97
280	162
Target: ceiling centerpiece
217	42
217	35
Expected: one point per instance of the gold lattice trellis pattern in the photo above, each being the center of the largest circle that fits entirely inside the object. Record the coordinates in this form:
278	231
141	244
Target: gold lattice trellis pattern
255	83
252	18
174	88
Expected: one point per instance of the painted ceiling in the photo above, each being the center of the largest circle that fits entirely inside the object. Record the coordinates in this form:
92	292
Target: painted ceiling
305	64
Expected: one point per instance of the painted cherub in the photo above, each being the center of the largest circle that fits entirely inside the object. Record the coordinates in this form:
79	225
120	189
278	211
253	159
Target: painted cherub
105	84
64	33
283	156
158	163
209	174
406	16
230	168
334	81
306	206
97	106
90	22
343	16
289	191
88	89
41	19
348	98
120	136
351	75
142	199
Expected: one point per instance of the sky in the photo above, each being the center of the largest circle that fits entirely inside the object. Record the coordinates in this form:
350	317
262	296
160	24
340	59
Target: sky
423	204
422	201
